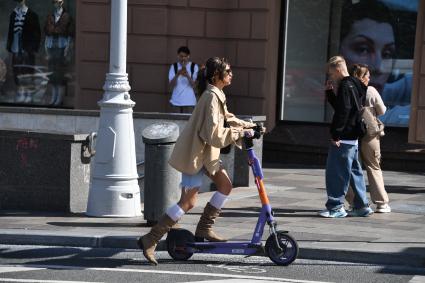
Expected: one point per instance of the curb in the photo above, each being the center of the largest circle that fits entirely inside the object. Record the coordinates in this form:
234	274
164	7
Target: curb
412	259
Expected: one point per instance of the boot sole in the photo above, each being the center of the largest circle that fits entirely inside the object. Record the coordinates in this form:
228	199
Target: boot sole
140	245
199	239
203	239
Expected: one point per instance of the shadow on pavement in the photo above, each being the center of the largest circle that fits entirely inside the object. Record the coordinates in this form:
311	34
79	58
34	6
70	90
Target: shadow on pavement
408	190
98	224
278	212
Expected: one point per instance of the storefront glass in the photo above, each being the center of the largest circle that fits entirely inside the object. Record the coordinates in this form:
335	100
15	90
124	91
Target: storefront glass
378	33
36	52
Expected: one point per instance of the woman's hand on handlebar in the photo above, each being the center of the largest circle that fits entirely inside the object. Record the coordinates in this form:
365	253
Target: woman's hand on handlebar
249	133
259	128
252	134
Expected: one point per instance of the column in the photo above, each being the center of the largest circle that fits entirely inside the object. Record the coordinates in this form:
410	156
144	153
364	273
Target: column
114	190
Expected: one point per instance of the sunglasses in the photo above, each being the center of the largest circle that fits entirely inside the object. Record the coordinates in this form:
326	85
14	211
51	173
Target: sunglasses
228	71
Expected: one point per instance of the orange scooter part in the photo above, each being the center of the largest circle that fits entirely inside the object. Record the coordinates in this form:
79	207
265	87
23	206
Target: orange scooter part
262	191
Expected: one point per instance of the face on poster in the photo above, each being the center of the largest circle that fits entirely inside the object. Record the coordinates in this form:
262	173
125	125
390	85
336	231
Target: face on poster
381	34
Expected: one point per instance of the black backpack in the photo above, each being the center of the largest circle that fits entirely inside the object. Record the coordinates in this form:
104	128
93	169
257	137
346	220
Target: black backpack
360	125
192	69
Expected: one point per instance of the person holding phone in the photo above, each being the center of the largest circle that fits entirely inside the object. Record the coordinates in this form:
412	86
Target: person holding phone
182	76
342	165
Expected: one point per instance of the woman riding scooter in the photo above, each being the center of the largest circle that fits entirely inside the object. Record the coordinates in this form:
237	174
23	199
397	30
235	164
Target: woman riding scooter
197	153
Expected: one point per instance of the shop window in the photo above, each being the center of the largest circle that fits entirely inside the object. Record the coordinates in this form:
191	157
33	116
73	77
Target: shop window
378	33
37	53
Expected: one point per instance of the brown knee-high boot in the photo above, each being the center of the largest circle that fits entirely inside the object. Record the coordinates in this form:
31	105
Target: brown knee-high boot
204	228
148	242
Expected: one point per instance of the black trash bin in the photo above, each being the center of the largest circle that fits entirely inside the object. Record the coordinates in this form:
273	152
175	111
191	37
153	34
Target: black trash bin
161	181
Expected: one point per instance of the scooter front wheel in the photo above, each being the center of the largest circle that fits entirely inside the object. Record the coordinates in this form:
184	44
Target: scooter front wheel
283	250
177	240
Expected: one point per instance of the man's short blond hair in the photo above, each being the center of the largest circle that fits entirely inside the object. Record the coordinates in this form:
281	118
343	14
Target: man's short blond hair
336	61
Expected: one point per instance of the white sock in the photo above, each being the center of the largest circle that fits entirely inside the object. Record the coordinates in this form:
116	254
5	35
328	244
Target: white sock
175	212
218	200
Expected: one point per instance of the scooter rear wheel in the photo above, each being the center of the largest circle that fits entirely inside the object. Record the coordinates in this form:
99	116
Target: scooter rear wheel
177	240
286	252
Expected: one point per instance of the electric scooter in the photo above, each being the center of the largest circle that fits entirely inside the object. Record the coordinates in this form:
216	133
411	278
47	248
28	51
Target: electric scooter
280	246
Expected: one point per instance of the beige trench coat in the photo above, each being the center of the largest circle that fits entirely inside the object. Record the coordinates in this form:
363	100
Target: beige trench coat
199	143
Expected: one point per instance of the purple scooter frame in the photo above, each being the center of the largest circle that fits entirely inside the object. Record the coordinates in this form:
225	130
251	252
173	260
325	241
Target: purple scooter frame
181	243
241	248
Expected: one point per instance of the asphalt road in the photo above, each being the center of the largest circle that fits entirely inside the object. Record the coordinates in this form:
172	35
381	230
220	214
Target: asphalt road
66	265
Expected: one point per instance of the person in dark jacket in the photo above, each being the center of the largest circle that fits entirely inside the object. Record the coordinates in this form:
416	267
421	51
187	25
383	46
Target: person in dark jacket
23	41
342	166
59	29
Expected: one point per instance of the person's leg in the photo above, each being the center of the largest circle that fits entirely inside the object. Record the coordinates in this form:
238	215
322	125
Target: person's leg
213	208
338	169
357	182
371	157
190	187
61	90
60	73
17	59
349	196
29	60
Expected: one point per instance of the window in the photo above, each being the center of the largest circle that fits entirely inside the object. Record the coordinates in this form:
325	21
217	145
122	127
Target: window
378	33
36	52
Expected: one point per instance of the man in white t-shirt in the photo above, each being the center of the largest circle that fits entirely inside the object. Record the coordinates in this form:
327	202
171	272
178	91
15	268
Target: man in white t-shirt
182	77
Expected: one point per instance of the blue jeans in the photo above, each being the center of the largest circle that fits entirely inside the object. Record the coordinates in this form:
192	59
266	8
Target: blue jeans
342	169
192	181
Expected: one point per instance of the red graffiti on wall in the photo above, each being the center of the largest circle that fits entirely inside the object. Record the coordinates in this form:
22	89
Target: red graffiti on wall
23	147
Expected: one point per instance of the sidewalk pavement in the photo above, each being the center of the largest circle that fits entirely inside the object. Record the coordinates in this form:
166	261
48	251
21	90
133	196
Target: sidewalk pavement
296	194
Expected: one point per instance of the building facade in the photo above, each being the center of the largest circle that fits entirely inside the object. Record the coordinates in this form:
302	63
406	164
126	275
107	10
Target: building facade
277	49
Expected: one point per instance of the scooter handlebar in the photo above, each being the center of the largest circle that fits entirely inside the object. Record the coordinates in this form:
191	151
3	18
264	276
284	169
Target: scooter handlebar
258	130
248	139
256	135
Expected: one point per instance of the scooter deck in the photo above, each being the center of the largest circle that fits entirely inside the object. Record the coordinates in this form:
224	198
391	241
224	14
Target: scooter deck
238	248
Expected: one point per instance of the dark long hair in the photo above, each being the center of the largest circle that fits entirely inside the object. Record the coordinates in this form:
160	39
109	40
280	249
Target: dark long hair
359	70
206	75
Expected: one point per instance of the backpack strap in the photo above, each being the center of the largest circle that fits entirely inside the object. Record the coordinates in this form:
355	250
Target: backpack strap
352	86
361	123
192	69
175	68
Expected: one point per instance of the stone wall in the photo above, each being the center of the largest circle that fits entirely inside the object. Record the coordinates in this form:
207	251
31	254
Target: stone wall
43	171
246	32
63	123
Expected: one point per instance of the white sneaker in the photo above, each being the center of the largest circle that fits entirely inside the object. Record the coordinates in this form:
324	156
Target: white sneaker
340	213
383	208
361	212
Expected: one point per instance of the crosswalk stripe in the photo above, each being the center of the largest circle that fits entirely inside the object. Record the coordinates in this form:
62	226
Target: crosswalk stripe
218	275
231	281
417	279
41	281
4	269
